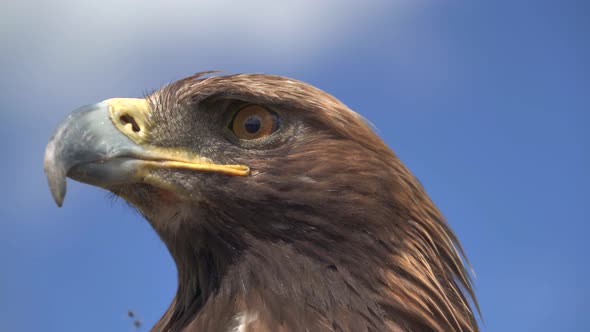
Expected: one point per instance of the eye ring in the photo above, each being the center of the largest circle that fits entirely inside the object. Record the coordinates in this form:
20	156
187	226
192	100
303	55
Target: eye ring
253	122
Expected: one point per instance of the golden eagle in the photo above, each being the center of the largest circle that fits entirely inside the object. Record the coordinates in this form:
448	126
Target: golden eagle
281	207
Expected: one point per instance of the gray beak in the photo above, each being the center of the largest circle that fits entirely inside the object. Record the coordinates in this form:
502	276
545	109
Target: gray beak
84	147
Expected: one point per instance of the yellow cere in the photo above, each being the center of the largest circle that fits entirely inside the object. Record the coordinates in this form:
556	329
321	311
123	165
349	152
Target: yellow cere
131	117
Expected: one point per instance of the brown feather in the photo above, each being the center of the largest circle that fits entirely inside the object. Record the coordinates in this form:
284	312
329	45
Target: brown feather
331	233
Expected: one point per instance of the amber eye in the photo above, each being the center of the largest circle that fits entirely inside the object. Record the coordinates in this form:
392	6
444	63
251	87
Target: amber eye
254	121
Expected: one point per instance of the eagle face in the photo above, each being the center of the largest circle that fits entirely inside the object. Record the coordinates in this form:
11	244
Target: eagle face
278	203
242	134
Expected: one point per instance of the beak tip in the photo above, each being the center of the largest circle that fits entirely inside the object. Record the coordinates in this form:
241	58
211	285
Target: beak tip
58	198
58	202
57	186
56	177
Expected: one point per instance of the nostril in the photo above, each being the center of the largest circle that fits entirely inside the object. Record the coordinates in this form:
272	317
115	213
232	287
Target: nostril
126	119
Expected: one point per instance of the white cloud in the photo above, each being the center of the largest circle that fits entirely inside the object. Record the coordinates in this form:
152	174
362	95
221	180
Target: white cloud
65	34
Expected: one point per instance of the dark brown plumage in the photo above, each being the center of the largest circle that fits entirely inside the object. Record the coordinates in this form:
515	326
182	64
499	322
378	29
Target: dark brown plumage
328	232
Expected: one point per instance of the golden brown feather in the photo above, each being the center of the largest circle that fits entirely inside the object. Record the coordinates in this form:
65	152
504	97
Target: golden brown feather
329	232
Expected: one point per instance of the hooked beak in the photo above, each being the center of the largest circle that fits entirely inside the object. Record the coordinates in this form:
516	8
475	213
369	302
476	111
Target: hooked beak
105	144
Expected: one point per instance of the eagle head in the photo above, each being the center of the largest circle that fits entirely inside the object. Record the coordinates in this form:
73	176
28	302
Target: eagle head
281	207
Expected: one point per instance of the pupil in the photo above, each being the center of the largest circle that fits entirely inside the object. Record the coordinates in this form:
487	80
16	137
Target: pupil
252	124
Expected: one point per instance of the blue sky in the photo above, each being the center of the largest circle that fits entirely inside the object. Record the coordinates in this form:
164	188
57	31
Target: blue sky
487	102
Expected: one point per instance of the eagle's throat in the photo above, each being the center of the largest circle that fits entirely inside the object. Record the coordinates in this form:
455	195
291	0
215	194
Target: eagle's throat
202	258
